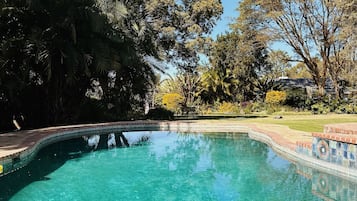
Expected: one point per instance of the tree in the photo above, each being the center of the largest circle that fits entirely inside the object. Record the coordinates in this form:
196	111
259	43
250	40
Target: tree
298	71
172	101
279	61
347	57
218	85
275	97
64	46
58	49
181	28
254	49
232	68
310	27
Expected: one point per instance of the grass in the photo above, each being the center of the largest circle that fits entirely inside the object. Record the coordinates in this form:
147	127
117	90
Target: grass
308	123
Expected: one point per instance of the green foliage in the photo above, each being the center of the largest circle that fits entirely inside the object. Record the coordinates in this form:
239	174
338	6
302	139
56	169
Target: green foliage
247	107
160	114
296	98
55	49
92	111
298	71
227	107
206	109
275	97
172	101
279	61
218	85
346	108
327	105
237	59
258	106
320	108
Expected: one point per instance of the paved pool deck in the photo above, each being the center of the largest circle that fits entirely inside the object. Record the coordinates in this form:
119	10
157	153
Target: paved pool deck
24	145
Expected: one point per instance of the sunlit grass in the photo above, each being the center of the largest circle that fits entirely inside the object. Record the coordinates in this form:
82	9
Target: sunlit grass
308	123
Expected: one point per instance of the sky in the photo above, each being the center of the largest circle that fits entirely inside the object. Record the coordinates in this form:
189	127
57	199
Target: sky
229	14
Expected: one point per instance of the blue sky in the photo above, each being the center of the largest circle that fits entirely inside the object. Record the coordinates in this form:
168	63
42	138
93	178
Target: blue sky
229	14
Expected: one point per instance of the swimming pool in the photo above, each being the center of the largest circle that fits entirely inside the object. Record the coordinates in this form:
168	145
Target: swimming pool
161	165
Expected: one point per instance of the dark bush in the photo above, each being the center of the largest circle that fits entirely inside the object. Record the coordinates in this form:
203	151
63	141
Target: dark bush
160	114
320	108
296	98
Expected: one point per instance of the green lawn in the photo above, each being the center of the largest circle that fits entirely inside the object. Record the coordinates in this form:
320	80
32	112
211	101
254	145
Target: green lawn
308	123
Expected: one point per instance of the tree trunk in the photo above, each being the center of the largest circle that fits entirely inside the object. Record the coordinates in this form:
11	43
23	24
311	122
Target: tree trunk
336	87
321	90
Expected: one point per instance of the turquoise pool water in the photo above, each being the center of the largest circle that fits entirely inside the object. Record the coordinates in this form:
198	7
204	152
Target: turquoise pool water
163	166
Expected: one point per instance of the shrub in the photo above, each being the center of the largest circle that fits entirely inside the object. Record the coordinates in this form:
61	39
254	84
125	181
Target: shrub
320	108
346	108
247	107
258	107
275	97
296	98
160	114
172	101
205	109
227	107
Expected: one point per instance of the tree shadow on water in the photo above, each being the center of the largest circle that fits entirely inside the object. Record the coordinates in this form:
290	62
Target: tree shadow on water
46	161
51	158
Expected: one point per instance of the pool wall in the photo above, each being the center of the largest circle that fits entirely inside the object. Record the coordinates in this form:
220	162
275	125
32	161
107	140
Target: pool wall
306	160
37	139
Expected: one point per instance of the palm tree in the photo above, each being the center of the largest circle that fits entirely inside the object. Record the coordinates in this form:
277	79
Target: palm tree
218	85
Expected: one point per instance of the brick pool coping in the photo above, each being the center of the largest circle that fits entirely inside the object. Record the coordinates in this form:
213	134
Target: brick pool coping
17	149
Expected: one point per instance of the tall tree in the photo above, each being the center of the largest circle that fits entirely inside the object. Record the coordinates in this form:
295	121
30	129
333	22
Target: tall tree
310	27
345	61
254	45
280	63
218	85
298	71
60	49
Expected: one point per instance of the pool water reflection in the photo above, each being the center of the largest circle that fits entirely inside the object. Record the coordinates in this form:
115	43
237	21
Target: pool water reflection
165	166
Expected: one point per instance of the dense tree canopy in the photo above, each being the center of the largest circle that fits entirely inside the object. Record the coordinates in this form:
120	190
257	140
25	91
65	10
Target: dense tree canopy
67	61
314	29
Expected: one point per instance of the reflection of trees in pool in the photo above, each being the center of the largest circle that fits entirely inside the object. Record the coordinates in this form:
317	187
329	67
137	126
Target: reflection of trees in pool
286	183
190	164
254	162
203	157
248	155
47	160
178	163
53	157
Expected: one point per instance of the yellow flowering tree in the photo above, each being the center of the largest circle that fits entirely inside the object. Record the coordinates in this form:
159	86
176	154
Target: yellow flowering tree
275	97
172	101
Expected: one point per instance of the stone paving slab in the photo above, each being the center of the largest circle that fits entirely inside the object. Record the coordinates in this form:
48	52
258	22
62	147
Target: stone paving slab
283	135
343	128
